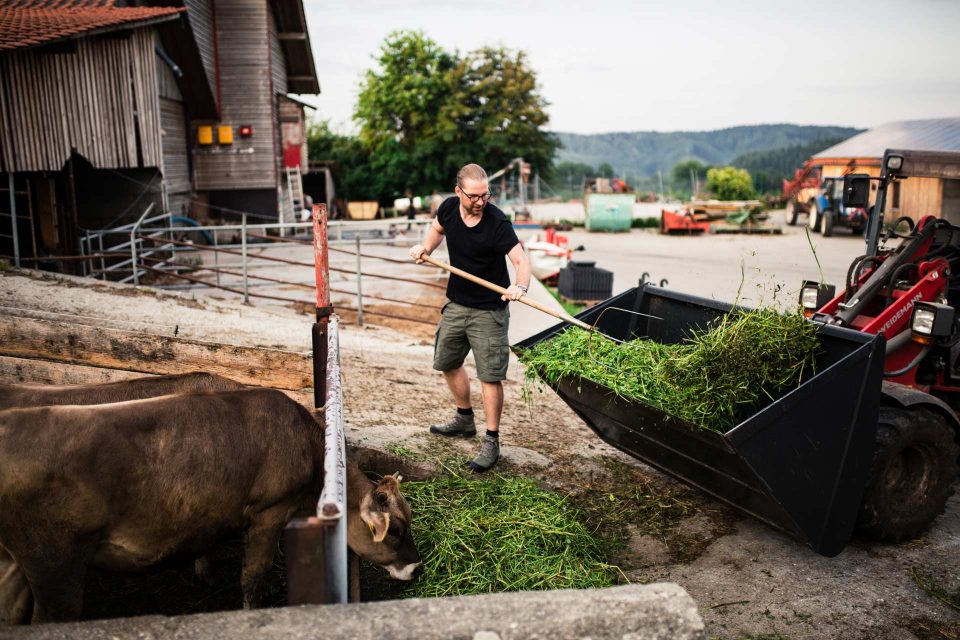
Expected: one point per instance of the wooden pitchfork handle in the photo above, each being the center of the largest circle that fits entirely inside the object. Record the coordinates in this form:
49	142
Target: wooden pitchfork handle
566	317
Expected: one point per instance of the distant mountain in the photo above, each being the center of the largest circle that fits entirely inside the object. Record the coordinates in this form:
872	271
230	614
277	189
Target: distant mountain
642	153
769	168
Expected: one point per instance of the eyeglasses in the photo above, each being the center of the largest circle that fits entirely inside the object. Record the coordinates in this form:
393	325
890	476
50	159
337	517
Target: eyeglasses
478	197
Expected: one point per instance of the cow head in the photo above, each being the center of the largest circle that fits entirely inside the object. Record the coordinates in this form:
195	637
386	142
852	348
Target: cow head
380	529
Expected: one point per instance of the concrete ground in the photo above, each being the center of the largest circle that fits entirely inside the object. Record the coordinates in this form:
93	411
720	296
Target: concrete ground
748	580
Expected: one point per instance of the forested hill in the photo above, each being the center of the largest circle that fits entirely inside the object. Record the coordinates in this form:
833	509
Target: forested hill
644	152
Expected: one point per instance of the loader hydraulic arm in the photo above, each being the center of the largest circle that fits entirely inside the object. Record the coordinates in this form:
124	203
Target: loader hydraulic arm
906	252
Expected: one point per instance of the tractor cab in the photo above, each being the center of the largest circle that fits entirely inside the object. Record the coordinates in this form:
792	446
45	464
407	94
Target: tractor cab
831	212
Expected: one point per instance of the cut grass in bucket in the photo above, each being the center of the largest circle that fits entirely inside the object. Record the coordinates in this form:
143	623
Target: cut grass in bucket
742	358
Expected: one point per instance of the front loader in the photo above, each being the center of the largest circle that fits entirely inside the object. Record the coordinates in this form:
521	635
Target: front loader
870	440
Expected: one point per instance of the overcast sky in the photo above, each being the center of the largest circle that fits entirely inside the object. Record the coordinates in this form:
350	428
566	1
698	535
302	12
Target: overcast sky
675	65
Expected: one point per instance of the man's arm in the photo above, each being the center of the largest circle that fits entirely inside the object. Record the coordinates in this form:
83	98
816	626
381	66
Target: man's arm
521	265
431	242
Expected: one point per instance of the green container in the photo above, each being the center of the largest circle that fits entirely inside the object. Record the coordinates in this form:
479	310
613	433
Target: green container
608	211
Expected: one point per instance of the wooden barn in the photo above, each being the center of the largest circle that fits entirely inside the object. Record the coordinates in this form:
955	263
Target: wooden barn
915	197
107	106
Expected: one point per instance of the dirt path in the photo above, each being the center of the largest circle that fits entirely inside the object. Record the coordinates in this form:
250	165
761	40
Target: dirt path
749	580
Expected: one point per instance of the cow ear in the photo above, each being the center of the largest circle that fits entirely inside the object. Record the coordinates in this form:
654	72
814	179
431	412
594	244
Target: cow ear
377	521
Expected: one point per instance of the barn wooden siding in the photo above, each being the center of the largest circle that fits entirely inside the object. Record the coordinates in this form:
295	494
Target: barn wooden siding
176	150
86	100
246	92
200	14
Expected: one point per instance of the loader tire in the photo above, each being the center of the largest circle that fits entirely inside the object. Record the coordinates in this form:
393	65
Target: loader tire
813	218
826	223
915	464
792	213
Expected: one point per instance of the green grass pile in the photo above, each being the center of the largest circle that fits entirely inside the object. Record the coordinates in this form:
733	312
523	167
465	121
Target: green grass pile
708	379
500	534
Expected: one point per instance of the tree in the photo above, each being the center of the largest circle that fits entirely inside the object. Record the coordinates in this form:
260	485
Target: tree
358	179
572	174
398	111
682	172
730	183
425	112
605	170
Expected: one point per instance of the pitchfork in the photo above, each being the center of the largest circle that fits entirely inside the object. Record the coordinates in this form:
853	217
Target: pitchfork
560	315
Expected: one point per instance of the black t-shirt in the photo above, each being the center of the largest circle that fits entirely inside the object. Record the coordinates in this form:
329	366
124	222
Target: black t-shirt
478	250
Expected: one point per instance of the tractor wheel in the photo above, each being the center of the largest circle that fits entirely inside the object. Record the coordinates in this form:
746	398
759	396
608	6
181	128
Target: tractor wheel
826	223
813	217
914	466
792	213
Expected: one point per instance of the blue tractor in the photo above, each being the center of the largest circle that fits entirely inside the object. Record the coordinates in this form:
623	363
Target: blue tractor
827	210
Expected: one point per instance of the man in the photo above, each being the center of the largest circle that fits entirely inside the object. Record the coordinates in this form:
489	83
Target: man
478	235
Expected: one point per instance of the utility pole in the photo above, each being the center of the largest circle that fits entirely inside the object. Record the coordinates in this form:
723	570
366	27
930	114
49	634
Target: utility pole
660	175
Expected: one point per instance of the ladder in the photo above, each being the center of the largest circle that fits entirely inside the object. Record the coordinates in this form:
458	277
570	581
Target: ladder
295	198
18	234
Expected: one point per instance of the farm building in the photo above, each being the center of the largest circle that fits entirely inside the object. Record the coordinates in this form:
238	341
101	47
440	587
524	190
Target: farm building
106	108
915	197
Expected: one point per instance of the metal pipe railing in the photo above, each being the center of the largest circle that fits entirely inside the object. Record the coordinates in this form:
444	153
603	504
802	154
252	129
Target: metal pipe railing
133	243
332	506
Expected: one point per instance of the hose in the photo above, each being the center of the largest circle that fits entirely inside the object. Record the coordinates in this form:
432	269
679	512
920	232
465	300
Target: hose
899	372
893	282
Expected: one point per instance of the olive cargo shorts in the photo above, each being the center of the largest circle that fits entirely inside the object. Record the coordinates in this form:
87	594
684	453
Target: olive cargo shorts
484	331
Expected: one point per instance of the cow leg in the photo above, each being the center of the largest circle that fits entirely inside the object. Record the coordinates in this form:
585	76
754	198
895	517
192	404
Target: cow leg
259	547
58	591
205	567
16	599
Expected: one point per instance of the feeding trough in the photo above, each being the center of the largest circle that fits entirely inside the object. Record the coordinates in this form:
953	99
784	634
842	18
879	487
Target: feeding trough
798	462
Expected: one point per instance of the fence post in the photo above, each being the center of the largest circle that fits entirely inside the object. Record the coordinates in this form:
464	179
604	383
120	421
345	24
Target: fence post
324	309
243	251
13	222
216	256
103	260
359	286
133	244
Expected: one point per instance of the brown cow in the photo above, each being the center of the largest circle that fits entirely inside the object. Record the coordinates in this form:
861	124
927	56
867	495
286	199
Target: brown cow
123	486
21	396
16	601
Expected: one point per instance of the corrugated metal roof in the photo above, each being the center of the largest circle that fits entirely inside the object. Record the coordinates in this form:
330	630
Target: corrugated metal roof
940	134
22	27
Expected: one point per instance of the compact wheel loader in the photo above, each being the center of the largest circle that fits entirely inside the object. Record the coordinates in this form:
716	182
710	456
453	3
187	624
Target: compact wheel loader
869	440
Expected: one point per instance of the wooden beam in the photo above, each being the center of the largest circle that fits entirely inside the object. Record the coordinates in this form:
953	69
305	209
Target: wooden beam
131	351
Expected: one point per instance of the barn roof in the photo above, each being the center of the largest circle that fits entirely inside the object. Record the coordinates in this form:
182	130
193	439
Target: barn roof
31	24
940	134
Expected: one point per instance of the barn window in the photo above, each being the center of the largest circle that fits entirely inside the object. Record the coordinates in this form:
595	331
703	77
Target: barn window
896	195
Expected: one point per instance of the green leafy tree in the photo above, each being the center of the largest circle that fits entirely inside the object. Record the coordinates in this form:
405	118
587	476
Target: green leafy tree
730	183
495	113
605	170
358	179
682	172
426	112
398	110
570	175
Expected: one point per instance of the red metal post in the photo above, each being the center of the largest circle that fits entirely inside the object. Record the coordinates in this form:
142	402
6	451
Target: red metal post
321	265
321	261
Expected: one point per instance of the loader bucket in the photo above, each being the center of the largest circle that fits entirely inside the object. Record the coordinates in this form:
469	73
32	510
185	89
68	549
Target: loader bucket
799	463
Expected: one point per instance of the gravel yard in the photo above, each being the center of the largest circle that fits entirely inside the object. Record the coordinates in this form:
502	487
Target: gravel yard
749	580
